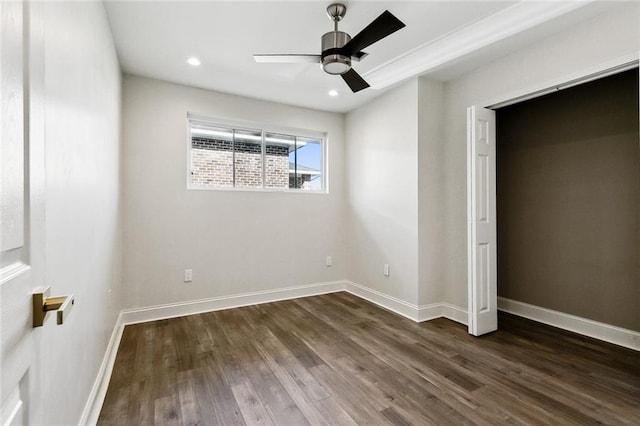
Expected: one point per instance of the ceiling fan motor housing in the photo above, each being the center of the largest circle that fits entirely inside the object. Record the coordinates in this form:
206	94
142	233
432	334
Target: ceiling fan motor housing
334	61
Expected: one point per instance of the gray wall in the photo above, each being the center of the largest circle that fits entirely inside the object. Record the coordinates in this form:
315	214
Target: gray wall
382	199
568	201
430	191
82	92
235	241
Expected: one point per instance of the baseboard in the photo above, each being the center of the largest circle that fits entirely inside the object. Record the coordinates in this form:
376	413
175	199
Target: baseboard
598	330
172	310
94	403
455	313
406	309
400	307
393	304
429	312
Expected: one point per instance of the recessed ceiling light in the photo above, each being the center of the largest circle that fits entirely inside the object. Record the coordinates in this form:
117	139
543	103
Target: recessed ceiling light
193	61
333	93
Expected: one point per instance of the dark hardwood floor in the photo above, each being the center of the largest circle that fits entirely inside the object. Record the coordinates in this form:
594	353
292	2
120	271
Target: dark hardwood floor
336	359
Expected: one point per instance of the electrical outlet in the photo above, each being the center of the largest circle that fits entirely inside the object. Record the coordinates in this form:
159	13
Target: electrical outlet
329	261
387	270
188	275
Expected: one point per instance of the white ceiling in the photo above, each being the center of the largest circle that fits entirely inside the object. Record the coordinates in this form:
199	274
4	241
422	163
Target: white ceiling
442	38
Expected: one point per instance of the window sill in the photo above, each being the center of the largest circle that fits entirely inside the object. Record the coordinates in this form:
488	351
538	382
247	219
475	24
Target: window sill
266	190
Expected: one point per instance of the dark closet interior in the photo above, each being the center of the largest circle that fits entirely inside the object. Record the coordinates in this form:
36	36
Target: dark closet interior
568	201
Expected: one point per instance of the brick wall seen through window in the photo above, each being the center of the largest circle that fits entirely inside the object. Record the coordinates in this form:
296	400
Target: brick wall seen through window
225	157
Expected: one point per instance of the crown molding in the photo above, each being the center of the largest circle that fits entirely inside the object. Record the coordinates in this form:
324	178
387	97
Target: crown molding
521	16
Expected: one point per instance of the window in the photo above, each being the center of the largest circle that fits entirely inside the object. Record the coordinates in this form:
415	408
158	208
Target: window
233	157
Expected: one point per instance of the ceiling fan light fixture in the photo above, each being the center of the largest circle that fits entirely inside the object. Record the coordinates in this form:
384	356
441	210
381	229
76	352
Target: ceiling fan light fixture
334	60
336	64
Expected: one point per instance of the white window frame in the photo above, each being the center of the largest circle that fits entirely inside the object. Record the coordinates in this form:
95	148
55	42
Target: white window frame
264	129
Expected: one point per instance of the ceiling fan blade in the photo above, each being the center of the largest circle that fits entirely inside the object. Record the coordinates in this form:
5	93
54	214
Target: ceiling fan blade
358	56
354	81
277	58
382	26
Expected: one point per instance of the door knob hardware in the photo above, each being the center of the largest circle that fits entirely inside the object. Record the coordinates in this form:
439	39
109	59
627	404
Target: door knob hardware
43	304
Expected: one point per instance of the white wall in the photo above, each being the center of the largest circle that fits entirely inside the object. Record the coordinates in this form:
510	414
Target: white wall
382	180
395	192
580	48
431	253
83	239
235	242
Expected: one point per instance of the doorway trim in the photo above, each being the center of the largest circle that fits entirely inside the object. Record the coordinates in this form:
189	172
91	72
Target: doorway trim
604	69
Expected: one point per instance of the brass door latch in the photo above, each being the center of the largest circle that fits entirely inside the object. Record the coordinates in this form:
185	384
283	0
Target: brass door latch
43	303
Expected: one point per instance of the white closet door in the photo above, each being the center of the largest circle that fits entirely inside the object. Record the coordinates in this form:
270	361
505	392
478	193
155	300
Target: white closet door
482	231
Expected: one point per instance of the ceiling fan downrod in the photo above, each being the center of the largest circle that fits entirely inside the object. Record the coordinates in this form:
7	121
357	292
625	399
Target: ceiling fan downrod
334	59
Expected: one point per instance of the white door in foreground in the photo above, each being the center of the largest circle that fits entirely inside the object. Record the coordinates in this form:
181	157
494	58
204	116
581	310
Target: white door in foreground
481	217
22	222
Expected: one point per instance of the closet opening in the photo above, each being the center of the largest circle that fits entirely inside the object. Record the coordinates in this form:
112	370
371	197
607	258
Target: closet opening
568	202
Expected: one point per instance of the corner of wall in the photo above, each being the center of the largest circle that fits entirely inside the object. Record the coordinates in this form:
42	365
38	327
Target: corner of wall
430	190
381	175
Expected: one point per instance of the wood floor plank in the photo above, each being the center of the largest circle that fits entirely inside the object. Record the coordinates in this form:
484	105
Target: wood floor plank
395	417
382	385
282	360
308	385
436	405
334	413
167	411
350	396
310	412
273	395
205	411
337	359
292	342
190	412
250	405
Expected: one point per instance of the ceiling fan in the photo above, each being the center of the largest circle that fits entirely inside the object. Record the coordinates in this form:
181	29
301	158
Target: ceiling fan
339	49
